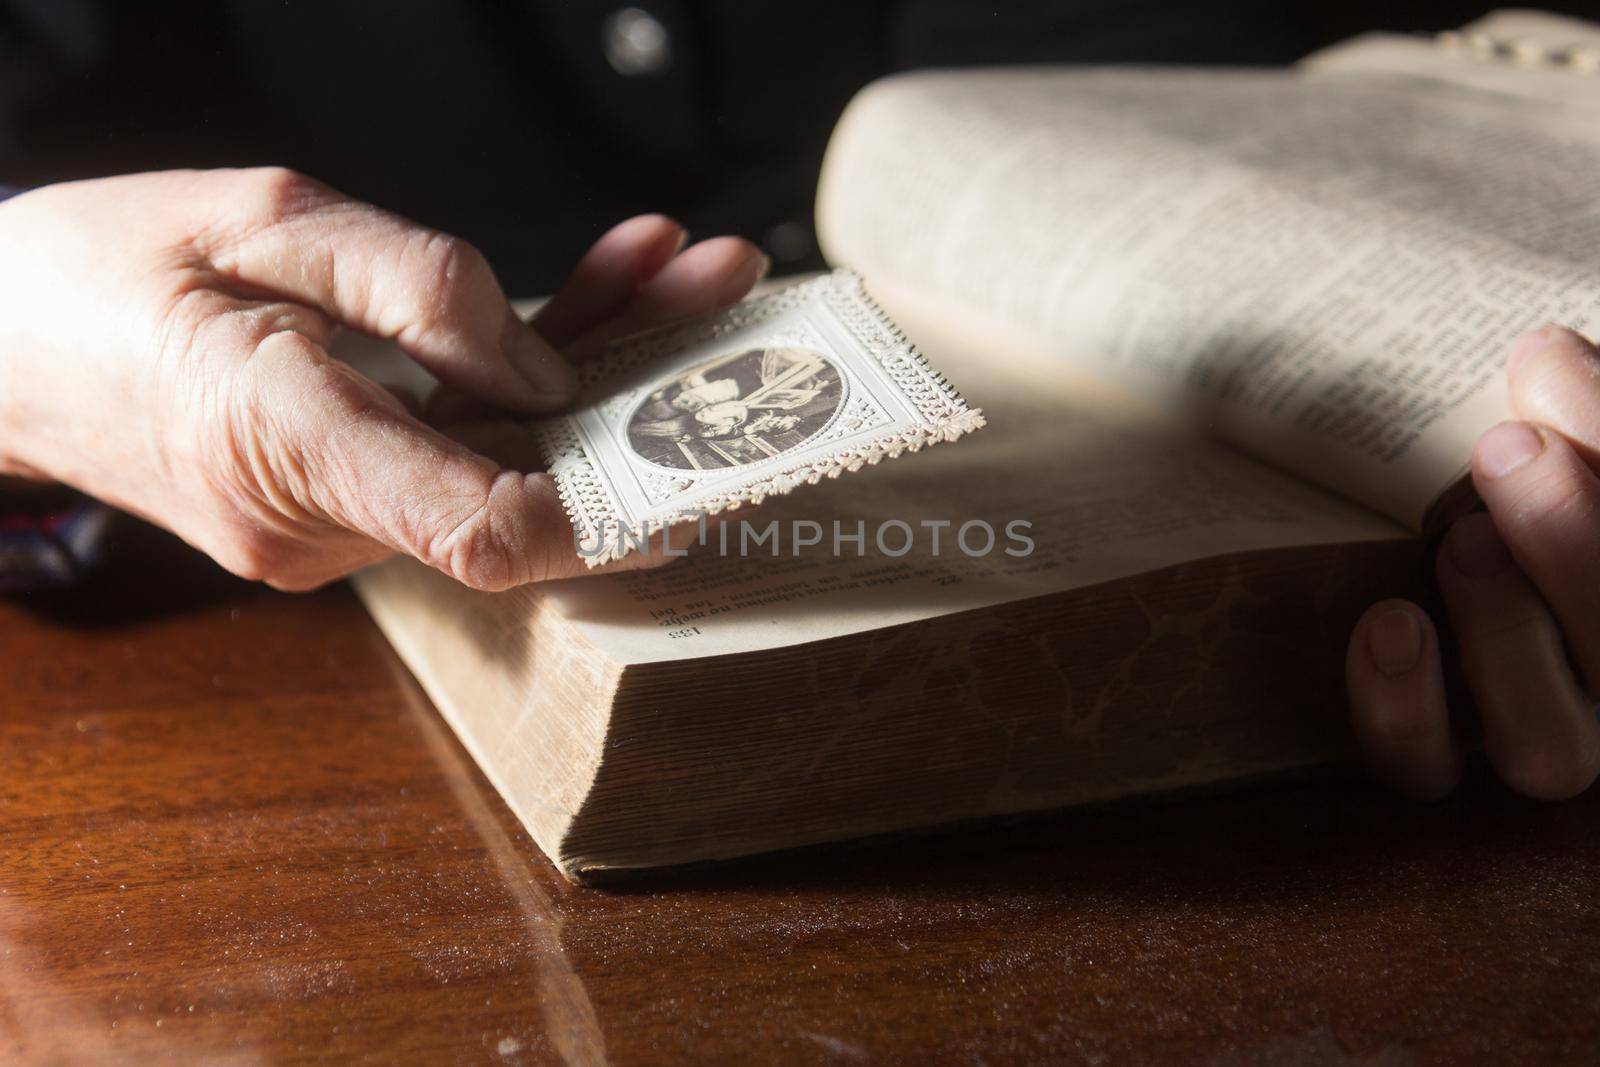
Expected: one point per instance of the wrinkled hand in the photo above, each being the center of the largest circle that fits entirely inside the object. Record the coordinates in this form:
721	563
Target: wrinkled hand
163	346
1521	585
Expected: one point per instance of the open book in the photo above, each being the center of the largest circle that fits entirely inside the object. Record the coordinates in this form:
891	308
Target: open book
1234	333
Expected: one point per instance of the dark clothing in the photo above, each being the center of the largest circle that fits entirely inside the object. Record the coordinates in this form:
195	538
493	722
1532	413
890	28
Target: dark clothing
517	124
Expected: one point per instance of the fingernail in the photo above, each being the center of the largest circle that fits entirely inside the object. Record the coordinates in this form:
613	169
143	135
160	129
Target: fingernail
1528	345
550	375
1394	641
1475	549
764	266
683	240
1506	447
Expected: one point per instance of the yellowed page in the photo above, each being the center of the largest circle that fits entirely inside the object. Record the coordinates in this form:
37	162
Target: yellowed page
1109	492
1325	270
1110	487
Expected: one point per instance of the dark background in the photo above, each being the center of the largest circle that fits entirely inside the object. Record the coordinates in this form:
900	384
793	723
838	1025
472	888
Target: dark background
507	123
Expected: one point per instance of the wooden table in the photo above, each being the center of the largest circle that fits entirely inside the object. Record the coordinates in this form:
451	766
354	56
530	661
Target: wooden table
235	832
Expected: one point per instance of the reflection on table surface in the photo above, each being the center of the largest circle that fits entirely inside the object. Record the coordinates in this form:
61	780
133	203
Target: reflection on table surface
236	832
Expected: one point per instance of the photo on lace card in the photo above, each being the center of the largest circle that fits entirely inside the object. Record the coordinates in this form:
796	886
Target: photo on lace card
783	390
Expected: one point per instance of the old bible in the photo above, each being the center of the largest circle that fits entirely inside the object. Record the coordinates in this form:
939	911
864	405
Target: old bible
1233	333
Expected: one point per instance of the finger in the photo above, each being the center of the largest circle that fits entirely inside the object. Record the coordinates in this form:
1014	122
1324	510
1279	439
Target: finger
432	293
704	278
408	398
326	443
509	444
1546	506
447	408
505	441
1554	377
608	277
708	277
1395	686
1539	729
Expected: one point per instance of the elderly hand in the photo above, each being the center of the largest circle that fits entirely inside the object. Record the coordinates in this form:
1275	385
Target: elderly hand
163	346
1521	585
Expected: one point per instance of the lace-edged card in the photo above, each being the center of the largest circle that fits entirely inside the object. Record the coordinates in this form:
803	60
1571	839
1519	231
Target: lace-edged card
780	391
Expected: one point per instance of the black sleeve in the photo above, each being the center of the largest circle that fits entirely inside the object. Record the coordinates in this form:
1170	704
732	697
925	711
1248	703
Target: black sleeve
43	44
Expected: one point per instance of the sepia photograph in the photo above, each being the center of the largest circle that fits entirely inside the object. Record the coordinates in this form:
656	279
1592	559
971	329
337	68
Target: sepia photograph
798	384
737	409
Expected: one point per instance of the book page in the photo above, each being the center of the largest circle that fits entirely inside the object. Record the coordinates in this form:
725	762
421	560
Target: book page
1326	270
1102	491
1107	488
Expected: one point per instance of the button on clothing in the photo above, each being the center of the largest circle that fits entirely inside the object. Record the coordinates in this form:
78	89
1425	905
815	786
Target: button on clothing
636	44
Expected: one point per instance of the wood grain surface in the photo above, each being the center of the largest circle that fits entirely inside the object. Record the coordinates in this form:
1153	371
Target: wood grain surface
236	833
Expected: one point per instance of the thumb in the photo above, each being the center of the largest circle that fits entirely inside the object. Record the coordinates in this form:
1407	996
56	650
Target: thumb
336	447
1554	375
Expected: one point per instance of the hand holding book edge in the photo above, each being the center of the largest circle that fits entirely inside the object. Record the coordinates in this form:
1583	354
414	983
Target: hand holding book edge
1521	587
